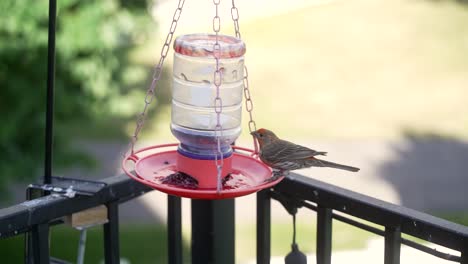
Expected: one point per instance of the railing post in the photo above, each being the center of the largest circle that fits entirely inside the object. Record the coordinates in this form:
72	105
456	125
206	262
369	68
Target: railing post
40	244
392	245
464	255
263	227
324	235
174	226
213	231
111	234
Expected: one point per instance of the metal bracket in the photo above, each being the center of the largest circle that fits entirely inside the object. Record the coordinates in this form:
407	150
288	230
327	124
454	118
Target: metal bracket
69	187
289	203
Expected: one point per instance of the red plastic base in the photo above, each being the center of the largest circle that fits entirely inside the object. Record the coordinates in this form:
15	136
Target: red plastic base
248	174
204	171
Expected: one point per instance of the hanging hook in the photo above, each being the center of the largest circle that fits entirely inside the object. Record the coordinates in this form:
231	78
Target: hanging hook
291	205
295	256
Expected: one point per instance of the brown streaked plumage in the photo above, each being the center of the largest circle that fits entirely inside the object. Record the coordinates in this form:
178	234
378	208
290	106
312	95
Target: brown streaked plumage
286	156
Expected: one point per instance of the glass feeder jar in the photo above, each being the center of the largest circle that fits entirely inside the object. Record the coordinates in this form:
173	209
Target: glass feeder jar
193	118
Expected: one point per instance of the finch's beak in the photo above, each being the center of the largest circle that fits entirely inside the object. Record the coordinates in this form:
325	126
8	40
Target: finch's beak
255	134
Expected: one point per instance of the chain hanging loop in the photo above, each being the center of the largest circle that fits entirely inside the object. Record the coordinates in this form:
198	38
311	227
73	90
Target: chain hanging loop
248	99
218	103
141	117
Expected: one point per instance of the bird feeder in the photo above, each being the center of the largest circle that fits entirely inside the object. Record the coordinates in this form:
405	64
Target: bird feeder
194	115
209	82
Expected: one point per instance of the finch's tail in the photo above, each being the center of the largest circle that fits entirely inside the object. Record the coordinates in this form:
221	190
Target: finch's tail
324	163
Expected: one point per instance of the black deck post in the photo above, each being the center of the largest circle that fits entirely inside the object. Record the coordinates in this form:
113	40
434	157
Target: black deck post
40	244
111	234
464	255
324	235
263	227
392	245
213	232
174	227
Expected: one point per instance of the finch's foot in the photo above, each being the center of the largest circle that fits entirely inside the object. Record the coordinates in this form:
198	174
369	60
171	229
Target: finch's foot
276	175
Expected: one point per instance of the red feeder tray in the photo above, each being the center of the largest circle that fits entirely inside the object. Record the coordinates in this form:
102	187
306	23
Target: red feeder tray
159	171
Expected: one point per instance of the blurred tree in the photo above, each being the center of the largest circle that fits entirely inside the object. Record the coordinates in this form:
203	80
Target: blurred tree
93	75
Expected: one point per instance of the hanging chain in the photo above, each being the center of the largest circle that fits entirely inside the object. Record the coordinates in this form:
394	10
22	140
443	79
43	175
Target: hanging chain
248	98
218	102
156	76
235	19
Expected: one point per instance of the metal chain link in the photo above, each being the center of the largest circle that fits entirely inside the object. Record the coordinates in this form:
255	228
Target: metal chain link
156	76
218	102
248	98
235	19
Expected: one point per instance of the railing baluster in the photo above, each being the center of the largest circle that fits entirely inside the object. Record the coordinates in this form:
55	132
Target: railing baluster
263	227
324	235
174	226
111	234
464	255
40	244
392	245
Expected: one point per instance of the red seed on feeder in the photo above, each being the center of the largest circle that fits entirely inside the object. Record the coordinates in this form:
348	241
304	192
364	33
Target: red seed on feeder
181	180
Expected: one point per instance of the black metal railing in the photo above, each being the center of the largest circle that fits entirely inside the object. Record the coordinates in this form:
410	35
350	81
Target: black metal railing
213	221
298	191
34	217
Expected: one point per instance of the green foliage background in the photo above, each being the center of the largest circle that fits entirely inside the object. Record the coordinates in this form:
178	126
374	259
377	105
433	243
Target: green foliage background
94	76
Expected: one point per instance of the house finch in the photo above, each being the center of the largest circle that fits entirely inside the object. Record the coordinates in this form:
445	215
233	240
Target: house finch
284	156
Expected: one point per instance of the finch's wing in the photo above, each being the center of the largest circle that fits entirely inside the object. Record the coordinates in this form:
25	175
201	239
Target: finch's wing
281	150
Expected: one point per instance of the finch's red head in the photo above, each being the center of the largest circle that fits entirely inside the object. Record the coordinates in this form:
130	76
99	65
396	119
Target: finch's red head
264	136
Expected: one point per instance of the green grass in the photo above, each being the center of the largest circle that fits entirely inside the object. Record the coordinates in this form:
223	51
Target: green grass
138	244
456	217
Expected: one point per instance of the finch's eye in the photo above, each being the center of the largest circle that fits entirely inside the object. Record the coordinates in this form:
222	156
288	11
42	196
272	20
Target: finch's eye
261	135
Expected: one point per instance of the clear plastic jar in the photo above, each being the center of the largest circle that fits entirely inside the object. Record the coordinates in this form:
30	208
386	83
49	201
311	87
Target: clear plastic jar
194	119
